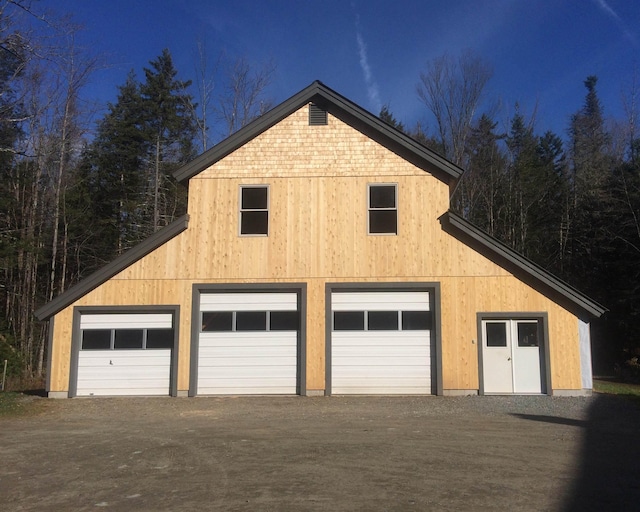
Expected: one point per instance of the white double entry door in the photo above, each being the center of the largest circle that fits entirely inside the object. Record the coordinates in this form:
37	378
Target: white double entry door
511	356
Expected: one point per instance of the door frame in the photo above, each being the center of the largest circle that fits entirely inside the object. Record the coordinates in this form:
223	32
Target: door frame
76	338
543	321
434	303
301	352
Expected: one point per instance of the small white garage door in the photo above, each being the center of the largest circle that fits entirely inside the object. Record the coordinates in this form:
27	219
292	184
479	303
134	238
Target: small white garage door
248	343
380	343
125	354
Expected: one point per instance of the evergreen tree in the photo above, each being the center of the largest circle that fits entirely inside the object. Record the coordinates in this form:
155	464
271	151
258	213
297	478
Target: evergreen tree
112	175
170	130
389	118
479	194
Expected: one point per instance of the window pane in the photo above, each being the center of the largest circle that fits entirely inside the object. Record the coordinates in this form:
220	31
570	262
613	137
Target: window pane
527	334
382	196
254	198
217	321
96	339
160	338
348	320
251	321
254	223
128	338
383	221
496	334
383	320
416	320
284	321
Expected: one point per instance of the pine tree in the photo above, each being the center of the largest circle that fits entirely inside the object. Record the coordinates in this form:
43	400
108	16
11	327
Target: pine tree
170	130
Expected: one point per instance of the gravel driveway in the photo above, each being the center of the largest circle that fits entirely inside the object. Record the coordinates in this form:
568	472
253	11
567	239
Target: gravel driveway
338	453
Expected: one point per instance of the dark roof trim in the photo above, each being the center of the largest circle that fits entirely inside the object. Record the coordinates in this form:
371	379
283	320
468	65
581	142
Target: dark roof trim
345	110
108	271
522	264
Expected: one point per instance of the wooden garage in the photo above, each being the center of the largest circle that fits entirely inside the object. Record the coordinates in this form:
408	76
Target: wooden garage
319	256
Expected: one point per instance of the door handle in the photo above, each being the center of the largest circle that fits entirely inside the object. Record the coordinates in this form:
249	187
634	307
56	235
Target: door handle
508	359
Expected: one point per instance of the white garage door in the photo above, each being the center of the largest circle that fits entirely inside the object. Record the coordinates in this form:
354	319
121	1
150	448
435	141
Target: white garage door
248	343
380	343
125	354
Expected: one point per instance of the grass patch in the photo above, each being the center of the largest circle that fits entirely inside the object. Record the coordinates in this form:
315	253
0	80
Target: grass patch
14	404
613	387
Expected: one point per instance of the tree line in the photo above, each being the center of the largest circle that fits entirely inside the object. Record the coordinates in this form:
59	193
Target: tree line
81	185
571	204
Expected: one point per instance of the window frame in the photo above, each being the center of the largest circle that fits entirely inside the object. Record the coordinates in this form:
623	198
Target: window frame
242	210
371	209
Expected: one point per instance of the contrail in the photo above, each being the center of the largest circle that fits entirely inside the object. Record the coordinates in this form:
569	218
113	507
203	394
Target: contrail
613	14
372	86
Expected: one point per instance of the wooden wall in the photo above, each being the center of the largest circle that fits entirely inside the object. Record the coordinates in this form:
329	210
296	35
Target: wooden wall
317	177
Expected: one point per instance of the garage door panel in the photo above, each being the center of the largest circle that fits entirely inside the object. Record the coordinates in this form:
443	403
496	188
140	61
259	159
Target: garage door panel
262	360
126	321
369	389
411	352
249	301
250	373
353	359
380	301
93	358
381	371
277	351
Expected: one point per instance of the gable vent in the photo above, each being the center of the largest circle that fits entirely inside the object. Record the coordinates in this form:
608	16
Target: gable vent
317	115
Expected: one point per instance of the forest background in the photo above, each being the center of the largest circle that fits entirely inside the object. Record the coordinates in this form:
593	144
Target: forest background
81	183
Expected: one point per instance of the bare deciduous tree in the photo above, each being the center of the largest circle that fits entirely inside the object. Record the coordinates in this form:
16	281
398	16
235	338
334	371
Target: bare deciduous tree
452	88
243	97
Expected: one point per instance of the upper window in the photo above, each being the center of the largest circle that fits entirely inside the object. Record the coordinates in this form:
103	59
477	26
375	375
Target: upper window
254	210
383	209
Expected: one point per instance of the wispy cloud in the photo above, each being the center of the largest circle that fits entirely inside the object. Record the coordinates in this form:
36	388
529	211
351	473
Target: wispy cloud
604	6
372	87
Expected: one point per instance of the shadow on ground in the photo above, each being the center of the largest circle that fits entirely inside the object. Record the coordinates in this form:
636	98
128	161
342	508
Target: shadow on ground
608	468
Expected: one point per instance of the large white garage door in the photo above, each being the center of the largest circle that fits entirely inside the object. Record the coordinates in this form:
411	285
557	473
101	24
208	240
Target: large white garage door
125	354
248	343
380	343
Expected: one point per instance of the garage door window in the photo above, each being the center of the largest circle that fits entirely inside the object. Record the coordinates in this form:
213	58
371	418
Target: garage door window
229	321
96	339
123	339
416	320
381	320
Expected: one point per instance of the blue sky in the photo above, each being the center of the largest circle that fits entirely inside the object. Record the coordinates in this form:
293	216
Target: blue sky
373	51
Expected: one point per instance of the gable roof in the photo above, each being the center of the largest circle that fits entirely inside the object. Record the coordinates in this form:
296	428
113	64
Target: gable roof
111	269
345	110
523	268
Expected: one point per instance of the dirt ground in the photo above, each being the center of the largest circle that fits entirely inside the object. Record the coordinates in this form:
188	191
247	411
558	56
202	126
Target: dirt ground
338	453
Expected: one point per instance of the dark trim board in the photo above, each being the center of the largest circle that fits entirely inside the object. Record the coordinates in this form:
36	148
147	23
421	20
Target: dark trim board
299	288
76	340
545	363
436	345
